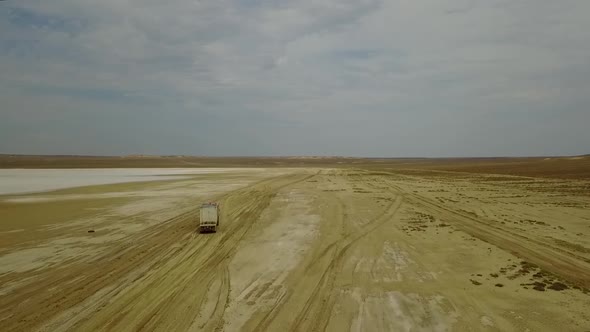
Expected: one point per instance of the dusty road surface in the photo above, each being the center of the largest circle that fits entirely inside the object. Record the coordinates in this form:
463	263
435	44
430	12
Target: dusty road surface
300	250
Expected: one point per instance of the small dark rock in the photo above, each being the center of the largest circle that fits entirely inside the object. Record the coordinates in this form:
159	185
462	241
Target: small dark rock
558	286
475	282
539	286
499	285
527	265
91	231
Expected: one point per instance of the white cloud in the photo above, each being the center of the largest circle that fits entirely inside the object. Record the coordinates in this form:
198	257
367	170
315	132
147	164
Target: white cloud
326	70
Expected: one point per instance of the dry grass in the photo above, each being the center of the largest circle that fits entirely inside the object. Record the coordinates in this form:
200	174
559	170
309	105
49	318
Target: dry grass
559	168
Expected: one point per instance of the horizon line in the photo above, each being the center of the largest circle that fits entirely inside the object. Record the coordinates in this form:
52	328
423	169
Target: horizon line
278	157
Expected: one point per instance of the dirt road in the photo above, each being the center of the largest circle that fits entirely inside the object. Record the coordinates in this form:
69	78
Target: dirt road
301	250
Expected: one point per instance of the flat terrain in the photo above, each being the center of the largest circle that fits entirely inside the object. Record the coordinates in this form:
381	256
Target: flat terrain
576	167
374	246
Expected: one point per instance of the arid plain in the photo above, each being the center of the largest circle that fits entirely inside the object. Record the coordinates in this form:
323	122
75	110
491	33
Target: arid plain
305	244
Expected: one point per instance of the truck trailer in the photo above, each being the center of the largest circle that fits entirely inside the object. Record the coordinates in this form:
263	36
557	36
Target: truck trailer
209	218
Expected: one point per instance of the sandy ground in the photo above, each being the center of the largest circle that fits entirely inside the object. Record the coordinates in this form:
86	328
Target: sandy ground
303	250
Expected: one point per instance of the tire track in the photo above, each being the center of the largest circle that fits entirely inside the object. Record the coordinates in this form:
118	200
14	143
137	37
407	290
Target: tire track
314	315
320	317
490	225
43	303
569	266
54	300
202	265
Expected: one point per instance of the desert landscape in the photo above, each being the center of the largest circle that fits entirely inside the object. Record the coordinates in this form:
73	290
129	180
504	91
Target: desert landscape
304	244
309	166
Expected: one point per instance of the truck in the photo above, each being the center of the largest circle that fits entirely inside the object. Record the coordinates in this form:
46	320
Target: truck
209	220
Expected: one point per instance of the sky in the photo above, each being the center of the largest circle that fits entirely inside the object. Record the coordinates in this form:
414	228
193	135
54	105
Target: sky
367	78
